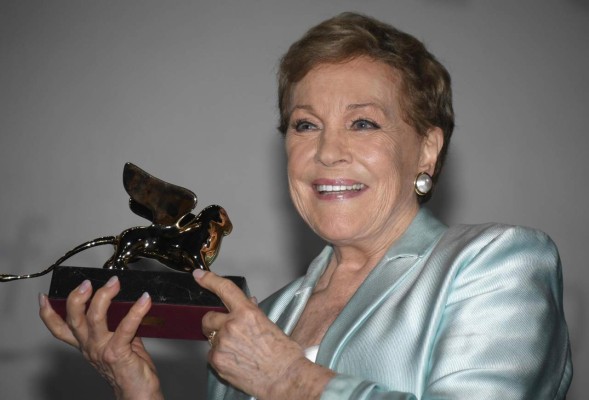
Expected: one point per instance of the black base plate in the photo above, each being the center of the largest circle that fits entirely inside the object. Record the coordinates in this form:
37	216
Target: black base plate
178	302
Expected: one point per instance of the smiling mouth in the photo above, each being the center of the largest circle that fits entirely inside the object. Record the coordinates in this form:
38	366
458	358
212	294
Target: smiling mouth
326	189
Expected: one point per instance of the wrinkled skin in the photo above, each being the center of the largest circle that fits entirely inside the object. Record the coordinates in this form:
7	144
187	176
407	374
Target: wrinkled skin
243	352
118	356
252	353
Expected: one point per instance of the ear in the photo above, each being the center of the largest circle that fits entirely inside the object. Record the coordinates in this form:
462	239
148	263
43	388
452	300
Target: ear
430	149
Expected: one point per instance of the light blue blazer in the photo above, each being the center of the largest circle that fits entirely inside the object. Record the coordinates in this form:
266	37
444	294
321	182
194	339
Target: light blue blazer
468	312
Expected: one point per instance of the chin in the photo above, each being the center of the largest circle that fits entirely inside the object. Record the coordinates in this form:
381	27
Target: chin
336	233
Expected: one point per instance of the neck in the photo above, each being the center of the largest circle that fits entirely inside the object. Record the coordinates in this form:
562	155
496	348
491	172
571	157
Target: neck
362	256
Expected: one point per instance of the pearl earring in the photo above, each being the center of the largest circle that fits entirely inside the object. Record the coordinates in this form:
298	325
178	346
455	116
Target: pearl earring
423	183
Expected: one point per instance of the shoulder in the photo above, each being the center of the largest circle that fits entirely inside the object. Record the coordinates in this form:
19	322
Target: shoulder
501	255
501	240
490	231
502	290
482	257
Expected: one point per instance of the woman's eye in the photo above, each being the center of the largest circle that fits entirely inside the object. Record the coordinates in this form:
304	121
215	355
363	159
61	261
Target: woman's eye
303	126
364	124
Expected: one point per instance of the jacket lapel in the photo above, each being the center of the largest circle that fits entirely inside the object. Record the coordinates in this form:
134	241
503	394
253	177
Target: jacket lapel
289	318
418	239
373	291
421	235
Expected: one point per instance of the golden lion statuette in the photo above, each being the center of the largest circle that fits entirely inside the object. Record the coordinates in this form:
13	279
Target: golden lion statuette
176	238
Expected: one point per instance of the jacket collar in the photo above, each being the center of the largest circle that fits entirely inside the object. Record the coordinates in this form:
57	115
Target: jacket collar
422	234
419	237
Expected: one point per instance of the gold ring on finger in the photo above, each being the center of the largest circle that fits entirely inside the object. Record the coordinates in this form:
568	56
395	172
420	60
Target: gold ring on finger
211	337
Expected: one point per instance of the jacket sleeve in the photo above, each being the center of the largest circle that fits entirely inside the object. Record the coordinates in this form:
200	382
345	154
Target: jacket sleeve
502	334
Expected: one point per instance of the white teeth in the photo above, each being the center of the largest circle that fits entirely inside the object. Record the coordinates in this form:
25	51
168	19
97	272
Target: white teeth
339	188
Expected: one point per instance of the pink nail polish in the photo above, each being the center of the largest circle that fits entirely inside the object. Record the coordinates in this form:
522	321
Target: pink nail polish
42	300
143	299
85	286
198	273
113	279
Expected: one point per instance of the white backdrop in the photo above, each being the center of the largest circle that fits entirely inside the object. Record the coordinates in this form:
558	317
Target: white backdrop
186	90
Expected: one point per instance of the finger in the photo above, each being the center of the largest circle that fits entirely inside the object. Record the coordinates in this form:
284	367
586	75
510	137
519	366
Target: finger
96	314
138	348
213	321
76	310
127	329
55	323
231	295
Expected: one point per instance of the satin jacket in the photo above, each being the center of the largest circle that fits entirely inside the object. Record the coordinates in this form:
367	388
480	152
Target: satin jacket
468	312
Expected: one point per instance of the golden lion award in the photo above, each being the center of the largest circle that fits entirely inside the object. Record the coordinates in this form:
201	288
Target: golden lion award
178	239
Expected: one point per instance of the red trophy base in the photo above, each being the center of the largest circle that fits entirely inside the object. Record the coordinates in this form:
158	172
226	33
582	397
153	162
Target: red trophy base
178	302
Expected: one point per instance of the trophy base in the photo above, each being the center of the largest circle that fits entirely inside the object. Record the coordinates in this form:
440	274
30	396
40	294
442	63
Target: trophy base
178	302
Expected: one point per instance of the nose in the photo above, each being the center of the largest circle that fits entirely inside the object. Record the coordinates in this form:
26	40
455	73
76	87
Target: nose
333	147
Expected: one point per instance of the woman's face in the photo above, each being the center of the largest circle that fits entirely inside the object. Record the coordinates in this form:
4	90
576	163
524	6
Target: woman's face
352	160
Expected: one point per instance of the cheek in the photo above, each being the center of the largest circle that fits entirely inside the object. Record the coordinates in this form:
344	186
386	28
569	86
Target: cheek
300	192
400	155
393	167
297	155
384	157
294	176
300	199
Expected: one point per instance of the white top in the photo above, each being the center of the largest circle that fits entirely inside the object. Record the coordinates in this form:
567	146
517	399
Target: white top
311	353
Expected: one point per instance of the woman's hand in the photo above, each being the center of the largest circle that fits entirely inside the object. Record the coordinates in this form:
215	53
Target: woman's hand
118	356
251	353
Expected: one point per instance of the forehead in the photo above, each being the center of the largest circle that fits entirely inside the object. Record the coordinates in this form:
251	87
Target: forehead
360	80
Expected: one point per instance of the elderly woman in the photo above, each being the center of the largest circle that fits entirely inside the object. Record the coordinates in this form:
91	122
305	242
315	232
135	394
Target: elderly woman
397	306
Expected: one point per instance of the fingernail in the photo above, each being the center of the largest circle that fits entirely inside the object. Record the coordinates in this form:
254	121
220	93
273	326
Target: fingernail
254	300
143	299
113	279
85	286
198	273
42	300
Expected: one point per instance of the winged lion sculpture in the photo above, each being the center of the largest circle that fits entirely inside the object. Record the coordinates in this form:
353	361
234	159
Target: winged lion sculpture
177	238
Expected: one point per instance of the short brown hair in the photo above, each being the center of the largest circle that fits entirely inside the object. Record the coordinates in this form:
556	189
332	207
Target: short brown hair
426	97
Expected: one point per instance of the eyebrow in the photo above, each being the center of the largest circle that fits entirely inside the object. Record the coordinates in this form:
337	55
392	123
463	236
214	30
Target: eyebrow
354	106
301	107
363	105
